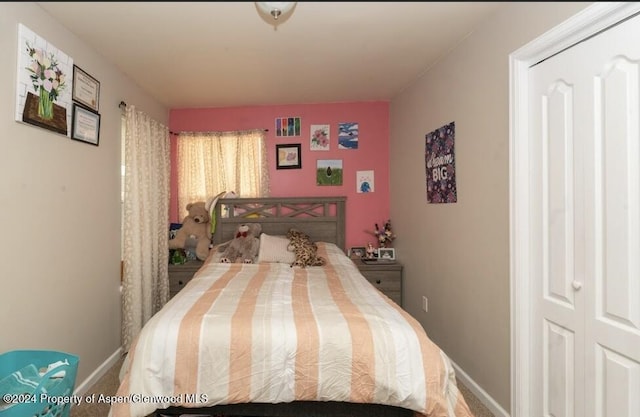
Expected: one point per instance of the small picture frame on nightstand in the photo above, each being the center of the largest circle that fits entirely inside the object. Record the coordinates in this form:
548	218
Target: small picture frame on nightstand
357	252
386	254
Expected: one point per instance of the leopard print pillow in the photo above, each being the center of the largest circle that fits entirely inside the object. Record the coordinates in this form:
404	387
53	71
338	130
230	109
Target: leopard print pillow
304	249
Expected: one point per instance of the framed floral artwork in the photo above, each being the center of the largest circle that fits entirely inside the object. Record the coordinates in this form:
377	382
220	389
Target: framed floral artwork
43	91
288	156
319	140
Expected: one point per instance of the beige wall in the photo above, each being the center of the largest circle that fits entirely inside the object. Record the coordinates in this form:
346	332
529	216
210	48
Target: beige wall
458	254
60	210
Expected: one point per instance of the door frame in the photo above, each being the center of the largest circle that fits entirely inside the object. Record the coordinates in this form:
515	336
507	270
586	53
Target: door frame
579	27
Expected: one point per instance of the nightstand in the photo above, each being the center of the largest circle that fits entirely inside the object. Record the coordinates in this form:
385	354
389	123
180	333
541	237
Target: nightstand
179	275
386	277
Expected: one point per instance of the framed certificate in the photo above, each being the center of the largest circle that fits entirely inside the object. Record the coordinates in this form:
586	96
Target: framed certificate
86	125
86	89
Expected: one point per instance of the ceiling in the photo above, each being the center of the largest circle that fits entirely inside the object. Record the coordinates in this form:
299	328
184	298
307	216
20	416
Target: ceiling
227	54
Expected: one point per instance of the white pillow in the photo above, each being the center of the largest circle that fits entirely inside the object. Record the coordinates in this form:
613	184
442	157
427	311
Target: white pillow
274	249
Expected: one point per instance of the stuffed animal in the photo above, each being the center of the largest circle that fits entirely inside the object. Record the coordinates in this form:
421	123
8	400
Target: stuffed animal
195	228
304	248
244	246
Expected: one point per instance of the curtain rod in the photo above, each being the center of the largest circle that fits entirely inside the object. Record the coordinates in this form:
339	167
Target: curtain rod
123	105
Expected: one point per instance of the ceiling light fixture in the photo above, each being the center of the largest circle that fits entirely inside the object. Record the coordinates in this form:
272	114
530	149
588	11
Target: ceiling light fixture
275	8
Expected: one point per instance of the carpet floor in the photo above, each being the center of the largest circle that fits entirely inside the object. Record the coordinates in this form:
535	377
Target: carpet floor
109	383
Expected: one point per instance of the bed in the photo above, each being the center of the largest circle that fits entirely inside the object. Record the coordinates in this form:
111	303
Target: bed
266	339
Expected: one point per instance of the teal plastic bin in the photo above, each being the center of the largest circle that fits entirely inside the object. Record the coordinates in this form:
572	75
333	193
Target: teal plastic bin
35	392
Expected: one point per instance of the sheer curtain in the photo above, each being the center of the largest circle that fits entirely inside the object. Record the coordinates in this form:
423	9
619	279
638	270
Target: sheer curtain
146	216
212	162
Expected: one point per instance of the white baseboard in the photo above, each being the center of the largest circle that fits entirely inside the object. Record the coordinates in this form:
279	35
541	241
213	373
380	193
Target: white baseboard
98	373
481	394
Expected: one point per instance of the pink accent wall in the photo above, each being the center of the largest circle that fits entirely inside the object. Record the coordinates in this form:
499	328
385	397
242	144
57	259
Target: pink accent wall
363	209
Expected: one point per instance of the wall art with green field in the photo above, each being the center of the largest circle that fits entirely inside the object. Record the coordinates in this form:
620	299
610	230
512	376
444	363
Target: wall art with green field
329	172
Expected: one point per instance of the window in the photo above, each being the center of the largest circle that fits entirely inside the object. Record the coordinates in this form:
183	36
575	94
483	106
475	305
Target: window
213	162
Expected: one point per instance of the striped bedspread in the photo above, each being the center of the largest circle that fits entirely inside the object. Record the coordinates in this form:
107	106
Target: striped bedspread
270	333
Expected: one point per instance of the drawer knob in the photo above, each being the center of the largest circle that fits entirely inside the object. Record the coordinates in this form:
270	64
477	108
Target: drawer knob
180	283
378	281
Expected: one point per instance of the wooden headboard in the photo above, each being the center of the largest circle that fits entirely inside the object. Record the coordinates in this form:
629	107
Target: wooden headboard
322	218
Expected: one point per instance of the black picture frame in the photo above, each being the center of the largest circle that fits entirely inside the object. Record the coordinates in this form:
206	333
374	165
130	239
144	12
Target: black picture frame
85	125
289	156
85	89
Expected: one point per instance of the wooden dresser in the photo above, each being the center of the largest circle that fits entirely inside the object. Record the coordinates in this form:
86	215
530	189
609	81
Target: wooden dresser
179	275
386	277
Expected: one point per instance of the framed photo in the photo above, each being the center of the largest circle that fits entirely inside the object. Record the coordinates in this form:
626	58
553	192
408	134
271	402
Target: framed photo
86	89
288	156
386	254
85	125
357	251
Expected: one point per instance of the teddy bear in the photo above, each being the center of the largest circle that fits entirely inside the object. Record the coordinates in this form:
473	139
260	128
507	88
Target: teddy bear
194	231
244	246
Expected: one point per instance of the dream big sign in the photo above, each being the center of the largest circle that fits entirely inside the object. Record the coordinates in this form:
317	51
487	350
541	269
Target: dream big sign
440	164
